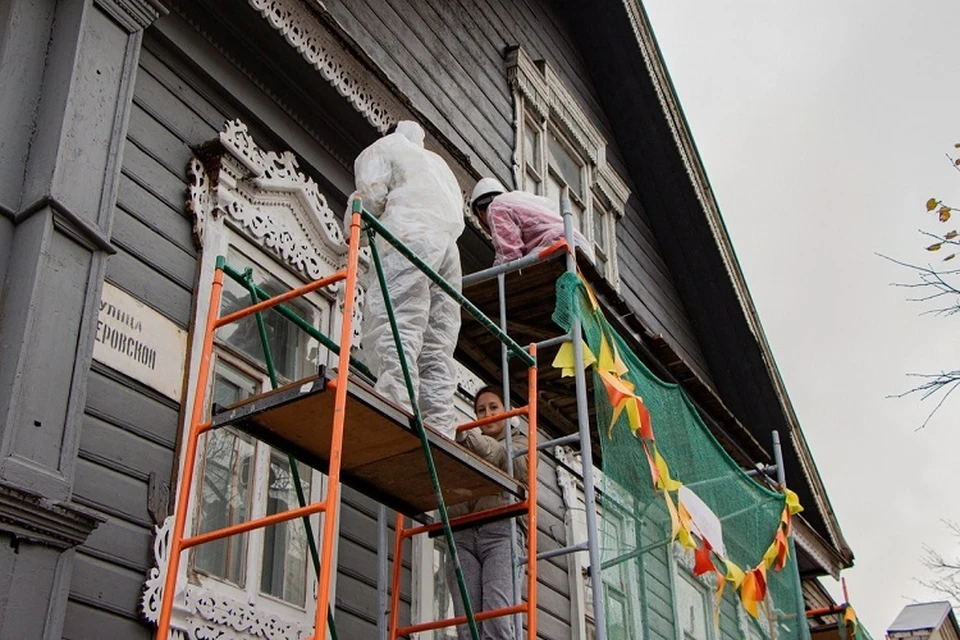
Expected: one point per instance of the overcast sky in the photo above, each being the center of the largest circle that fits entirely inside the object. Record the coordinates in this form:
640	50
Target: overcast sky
823	127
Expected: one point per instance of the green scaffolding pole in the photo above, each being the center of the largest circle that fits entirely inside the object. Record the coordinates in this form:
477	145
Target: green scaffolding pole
247	279
417	418
512	346
293	317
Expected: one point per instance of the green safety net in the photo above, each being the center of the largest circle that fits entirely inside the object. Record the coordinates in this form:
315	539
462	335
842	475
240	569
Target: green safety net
849	627
650	590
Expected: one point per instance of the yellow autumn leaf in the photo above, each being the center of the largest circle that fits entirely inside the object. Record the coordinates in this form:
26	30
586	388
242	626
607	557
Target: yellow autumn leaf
950	257
944	214
935	246
950	235
932	204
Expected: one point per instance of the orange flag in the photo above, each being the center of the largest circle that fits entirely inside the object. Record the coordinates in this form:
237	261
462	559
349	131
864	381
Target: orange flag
784	549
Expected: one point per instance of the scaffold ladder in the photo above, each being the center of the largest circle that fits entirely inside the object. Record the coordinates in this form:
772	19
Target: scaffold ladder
328	505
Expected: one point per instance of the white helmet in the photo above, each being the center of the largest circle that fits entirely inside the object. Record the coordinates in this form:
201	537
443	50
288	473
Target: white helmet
485	187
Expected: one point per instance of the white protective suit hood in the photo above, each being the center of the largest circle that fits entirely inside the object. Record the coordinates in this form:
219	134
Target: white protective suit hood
411	131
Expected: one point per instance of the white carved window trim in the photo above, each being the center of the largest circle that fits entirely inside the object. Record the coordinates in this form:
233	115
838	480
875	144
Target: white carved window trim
575	521
543	104
259	203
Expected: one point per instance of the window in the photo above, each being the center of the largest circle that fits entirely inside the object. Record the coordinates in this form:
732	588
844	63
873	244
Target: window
533	158
242	478
259	210
559	153
693	608
603	243
694	597
619	536
620	581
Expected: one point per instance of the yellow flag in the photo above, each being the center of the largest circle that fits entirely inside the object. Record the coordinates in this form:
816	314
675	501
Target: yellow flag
735	574
674	518
605	361
771	554
665	482
849	616
590	294
793	502
685	539
565	359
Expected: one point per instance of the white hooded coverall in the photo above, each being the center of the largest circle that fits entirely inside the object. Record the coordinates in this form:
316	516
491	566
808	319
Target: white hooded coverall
416	196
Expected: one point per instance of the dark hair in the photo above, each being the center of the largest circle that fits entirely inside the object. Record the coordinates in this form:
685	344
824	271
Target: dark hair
391	129
489	388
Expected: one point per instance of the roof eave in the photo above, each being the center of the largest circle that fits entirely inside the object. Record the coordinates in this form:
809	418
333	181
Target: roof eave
653	60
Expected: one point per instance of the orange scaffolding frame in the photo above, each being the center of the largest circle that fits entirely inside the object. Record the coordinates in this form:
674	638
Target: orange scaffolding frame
178	543
527	506
199	426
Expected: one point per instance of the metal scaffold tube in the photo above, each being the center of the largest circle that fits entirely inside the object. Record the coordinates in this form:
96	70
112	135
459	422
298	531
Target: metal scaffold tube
782	481
505	371
586	450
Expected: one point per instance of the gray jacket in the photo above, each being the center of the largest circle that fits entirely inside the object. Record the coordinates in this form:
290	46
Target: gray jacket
494	451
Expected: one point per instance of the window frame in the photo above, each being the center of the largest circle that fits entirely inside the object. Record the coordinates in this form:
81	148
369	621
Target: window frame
682	569
323	307
619	502
230	240
543	104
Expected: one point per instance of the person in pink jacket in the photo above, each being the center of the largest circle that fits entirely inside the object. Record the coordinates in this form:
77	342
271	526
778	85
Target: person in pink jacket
519	223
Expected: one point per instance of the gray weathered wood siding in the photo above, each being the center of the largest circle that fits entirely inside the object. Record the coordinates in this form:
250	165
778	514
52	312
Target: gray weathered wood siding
129	431
553	619
447	57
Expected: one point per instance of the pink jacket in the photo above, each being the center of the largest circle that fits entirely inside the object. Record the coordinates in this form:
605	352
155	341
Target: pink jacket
522	223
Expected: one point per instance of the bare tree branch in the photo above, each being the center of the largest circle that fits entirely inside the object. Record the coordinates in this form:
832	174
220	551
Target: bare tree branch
946	572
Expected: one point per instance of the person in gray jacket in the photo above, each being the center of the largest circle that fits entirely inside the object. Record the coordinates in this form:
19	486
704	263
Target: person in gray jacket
484	550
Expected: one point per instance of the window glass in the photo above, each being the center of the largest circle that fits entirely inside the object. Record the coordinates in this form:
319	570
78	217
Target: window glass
579	218
616	608
599	224
287	342
284	571
531	146
227	475
442	598
554	190
691	607
565	163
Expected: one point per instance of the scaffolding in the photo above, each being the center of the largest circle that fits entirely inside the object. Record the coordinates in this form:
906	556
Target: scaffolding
376	454
307	420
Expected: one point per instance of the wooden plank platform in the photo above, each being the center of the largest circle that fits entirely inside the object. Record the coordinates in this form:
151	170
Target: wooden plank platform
382	455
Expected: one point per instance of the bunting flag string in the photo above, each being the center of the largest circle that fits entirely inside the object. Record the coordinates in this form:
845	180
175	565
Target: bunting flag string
691	520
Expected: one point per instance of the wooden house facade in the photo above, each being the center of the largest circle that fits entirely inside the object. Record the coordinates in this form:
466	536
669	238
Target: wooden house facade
142	138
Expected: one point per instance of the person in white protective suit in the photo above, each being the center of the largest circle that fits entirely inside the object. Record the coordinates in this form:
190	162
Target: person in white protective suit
416	196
